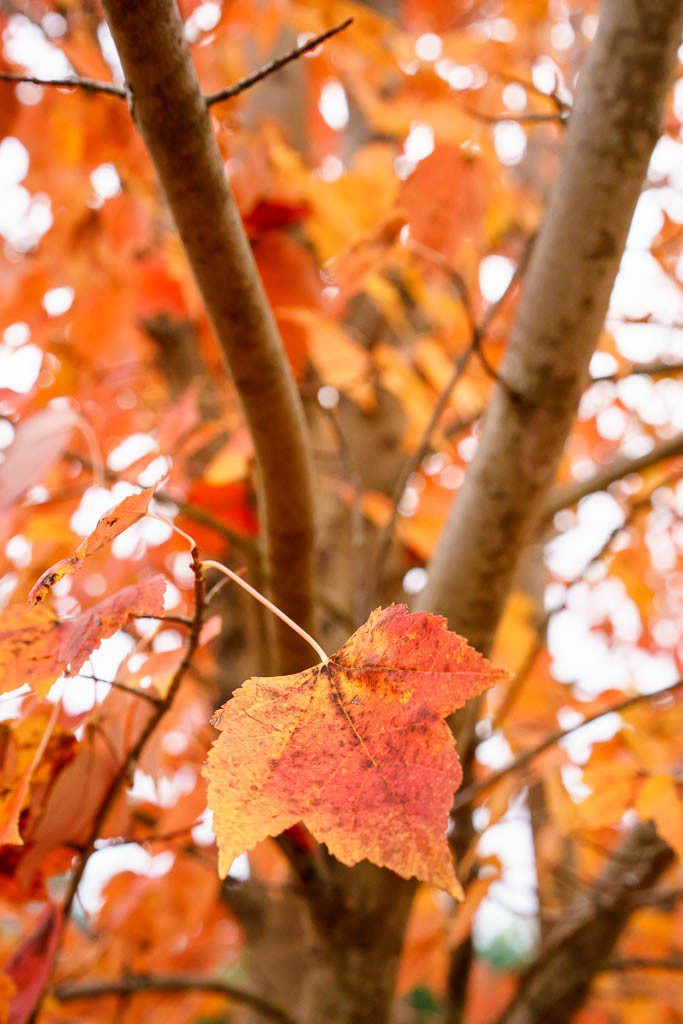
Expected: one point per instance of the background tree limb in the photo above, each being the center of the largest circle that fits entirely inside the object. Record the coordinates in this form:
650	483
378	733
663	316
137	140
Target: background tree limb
571	494
136	984
560	977
466	796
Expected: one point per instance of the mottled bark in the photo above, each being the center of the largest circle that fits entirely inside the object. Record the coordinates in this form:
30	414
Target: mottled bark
355	946
558	981
170	112
614	125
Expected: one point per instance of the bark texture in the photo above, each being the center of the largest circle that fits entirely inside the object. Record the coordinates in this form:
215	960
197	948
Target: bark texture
356	936
614	125
169	109
557	983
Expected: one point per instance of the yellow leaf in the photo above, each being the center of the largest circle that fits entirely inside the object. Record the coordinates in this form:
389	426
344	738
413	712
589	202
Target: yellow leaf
658	800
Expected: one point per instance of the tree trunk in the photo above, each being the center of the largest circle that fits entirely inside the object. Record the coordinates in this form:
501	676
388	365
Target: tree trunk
356	942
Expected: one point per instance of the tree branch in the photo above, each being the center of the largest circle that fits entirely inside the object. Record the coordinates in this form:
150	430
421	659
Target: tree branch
137	984
412	464
539	117
635	509
109	89
643	963
658	368
466	796
172	116
131	759
274	65
134	754
68	82
665	898
578	947
615	123
571	494
116	685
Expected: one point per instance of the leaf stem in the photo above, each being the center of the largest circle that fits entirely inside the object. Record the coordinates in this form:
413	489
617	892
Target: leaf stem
176	529
211	564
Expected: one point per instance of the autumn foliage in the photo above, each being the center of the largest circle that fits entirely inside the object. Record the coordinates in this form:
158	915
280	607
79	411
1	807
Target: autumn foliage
356	748
189	833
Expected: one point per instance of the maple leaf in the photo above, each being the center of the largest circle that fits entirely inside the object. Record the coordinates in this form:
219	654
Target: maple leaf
127	512
36	647
38	443
29	966
357	748
658	801
12	806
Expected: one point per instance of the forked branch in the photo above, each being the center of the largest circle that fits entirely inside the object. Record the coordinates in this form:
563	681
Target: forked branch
120	92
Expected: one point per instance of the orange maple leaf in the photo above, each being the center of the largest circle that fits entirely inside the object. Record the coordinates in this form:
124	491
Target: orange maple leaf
29	966
357	748
127	512
36	647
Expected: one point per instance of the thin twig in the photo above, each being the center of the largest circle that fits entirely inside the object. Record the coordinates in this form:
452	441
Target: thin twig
411	466
135	984
517	684
534	118
200	515
465	796
440	261
274	65
243	545
163	837
635	509
176	620
554	96
357	519
143	694
522	676
68	82
571	494
109	89
643	963
133	755
648	320
658	368
459	426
